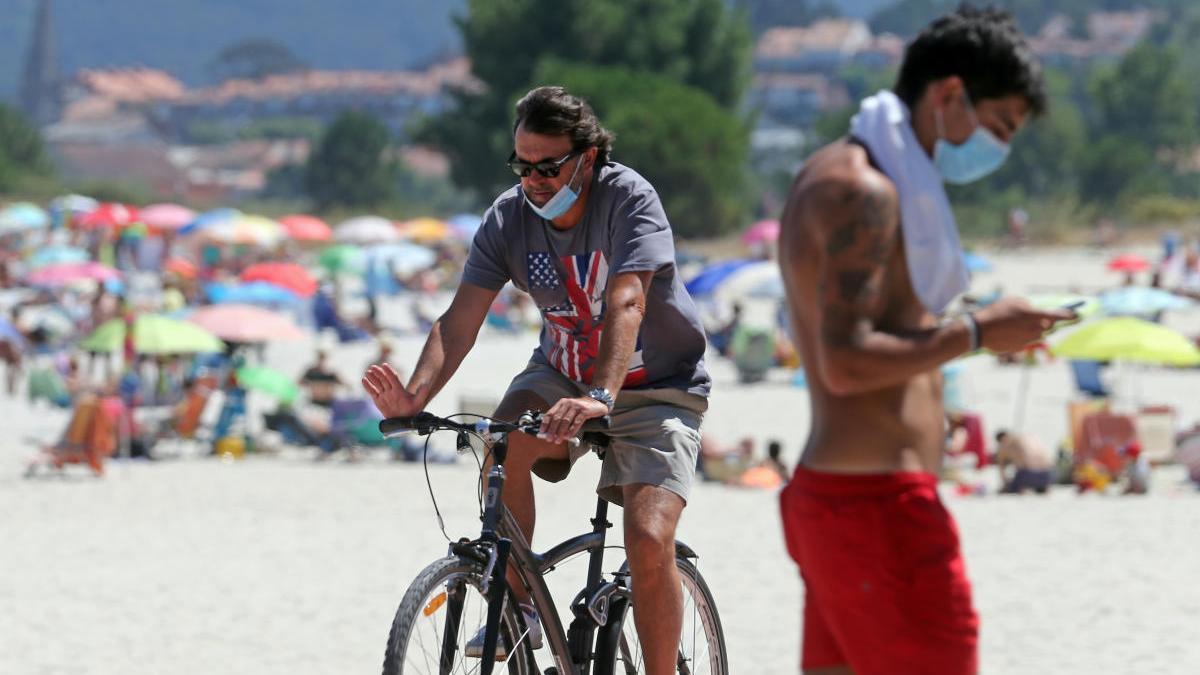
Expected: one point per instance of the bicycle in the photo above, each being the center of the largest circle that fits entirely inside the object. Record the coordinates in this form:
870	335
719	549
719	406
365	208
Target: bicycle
471	586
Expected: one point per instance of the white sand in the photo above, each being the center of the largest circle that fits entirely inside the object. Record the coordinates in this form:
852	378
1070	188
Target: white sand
282	565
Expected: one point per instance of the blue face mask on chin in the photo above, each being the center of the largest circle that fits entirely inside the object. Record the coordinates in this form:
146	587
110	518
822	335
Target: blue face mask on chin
974	158
562	201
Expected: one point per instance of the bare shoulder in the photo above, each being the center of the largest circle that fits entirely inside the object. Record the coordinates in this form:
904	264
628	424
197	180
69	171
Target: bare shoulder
838	187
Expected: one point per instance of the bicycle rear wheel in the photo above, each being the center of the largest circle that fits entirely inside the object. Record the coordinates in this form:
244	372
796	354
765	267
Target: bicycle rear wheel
701	643
440	612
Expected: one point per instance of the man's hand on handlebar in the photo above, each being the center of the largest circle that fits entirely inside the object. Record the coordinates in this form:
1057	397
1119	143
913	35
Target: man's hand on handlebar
565	418
389	394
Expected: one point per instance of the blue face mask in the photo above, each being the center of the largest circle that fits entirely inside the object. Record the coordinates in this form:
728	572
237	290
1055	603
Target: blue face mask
561	202
974	158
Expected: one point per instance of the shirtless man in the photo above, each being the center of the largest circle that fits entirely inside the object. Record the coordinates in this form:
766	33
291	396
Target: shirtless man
870	257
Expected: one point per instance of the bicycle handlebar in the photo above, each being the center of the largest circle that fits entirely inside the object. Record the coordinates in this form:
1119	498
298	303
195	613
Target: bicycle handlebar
425	423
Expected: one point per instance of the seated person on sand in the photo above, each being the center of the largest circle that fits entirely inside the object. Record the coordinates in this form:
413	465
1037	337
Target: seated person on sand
768	472
1033	465
321	381
724	463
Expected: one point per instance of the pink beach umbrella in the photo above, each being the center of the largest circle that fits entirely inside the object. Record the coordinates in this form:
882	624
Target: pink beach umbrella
762	232
66	273
288	275
301	227
167	216
245	323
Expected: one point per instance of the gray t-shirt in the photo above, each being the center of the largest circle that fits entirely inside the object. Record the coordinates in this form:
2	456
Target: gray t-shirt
624	229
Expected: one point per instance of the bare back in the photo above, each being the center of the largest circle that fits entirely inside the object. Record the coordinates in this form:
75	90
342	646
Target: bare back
848	288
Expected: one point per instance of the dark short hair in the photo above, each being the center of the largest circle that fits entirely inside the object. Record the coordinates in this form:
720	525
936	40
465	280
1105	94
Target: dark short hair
982	46
553	112
1001	435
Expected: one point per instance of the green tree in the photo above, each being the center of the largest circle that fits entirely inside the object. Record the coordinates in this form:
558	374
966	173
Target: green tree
21	149
254	59
700	43
691	149
349	167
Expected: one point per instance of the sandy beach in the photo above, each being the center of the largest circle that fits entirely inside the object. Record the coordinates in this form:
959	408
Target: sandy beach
279	564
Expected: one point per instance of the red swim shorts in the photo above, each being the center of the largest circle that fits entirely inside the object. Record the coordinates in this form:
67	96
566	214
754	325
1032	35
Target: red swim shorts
886	591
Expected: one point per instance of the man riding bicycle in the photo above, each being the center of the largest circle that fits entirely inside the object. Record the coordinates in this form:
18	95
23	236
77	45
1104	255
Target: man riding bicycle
587	238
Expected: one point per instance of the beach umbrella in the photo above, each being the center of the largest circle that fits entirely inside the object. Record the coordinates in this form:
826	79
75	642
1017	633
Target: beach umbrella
245	323
287	275
1128	339
342	259
707	280
742	281
76	205
208	219
182	267
425	230
268	381
254	293
976	263
53	255
465	224
300	227
770	288
366	230
1129	262
244	229
167	216
1140	301
1084	306
762	232
402	258
10	333
109	214
154	334
22	217
60	274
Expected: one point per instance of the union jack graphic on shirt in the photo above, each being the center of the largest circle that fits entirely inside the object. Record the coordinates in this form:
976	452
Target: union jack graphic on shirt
575	326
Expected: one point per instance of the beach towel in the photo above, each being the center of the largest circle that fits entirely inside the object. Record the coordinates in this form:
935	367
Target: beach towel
931	243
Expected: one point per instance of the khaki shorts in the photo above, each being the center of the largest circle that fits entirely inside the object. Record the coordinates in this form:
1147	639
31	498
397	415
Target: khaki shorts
655	434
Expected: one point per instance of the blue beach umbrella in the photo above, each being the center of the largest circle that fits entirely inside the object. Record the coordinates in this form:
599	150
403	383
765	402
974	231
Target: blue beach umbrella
254	293
711	277
465	224
210	218
1140	301
57	254
976	263
23	216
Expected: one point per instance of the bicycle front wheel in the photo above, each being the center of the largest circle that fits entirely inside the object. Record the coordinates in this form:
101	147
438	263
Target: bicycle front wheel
441	611
701	642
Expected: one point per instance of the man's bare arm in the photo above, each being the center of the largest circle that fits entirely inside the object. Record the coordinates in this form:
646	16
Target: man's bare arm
622	320
861	232
450	340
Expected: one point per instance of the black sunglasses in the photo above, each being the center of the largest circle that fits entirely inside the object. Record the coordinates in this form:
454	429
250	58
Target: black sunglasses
548	168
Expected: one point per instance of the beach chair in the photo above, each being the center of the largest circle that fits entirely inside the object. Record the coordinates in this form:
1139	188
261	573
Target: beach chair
1105	435
91	436
183	425
1156	432
1088	380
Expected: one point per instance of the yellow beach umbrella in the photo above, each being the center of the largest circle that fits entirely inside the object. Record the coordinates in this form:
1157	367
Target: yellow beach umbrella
425	230
1128	339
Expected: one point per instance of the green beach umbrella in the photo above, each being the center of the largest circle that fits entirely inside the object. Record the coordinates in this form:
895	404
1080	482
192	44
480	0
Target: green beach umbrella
342	258
1128	339
154	334
269	381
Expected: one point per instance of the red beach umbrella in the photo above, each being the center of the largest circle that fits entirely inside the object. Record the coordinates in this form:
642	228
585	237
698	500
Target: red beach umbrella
288	275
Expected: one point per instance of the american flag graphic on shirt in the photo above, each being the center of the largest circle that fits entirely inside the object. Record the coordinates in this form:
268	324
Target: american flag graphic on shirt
575	326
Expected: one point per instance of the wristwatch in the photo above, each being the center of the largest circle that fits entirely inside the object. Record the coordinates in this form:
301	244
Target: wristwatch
604	396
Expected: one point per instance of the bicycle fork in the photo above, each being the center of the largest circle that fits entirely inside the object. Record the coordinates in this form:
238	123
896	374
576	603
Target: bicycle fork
494	574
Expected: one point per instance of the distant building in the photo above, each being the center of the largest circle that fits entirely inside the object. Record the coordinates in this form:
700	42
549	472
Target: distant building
396	97
823	46
41	97
1109	36
794	100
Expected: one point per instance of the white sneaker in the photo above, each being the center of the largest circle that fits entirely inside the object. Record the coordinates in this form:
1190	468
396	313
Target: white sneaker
533	624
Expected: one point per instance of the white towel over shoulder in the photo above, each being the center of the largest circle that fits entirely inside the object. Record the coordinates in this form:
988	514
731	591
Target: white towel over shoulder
931	243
